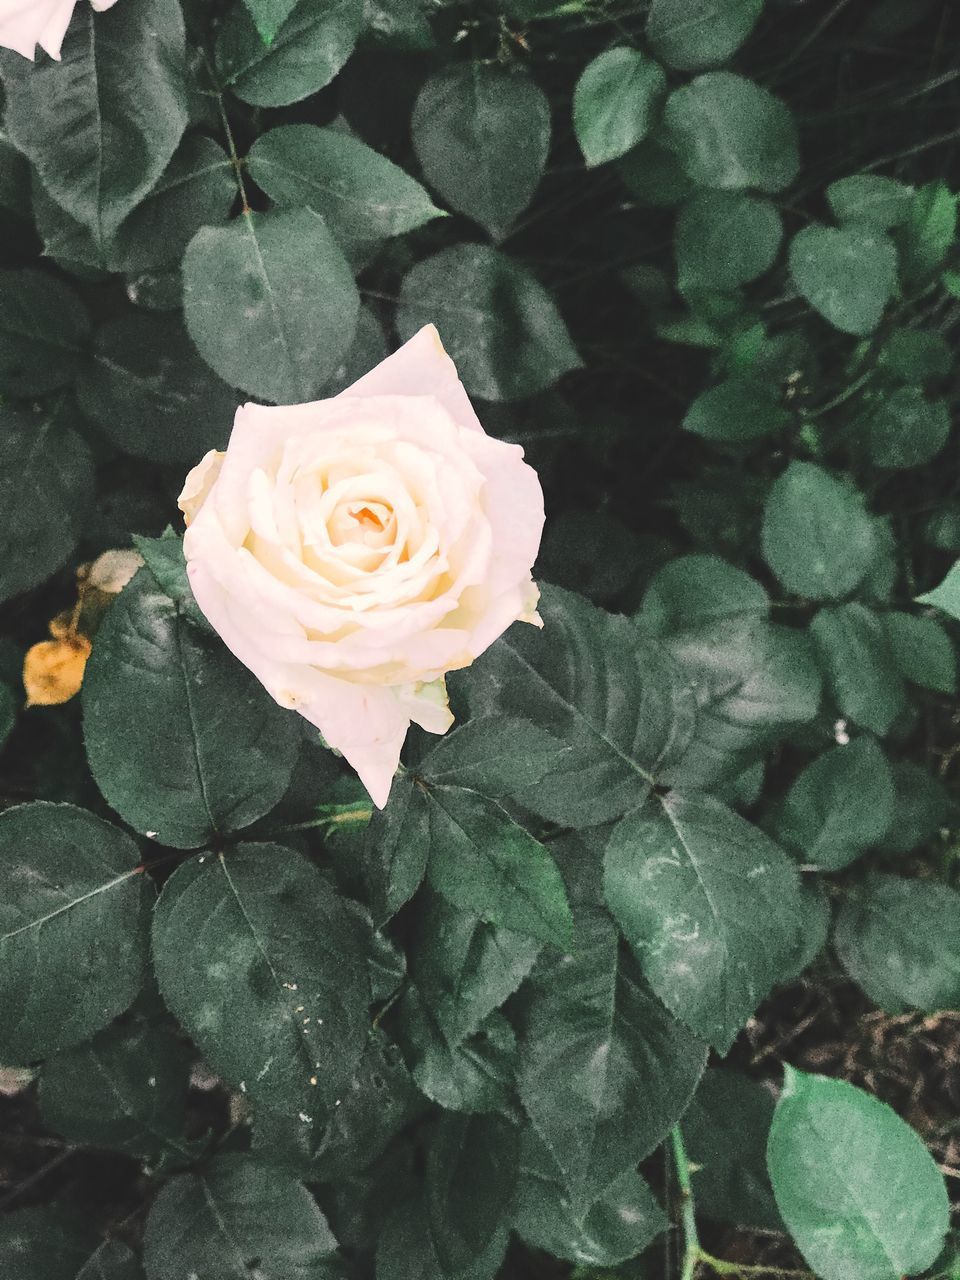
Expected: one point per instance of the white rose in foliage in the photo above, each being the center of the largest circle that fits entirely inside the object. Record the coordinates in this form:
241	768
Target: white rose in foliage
24	24
352	551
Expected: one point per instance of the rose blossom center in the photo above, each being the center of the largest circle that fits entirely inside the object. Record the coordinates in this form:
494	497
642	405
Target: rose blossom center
372	524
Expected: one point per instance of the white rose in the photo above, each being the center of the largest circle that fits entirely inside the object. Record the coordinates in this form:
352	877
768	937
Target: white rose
352	551
24	24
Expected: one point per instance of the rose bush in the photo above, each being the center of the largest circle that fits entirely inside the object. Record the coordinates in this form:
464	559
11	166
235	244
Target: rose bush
24	24
352	551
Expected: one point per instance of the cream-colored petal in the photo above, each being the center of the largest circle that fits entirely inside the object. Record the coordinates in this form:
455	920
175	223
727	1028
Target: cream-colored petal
199	482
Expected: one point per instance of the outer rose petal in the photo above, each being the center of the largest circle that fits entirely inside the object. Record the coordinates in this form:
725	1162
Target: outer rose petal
100	5
421	367
26	23
51	37
198	484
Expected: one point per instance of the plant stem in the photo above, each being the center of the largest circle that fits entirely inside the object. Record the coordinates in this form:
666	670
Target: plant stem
688	1218
723	1268
333	815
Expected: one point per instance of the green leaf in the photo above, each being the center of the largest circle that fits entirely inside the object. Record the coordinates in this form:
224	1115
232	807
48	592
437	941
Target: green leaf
694	34
752	683
101	124
497	322
481	860
900	941
737	411
605	1070
725	239
848	274
858	1190
112	1261
906	430
499	756
407	1250
46	487
396	847
270	302
465	967
946	597
476	1075
481	133
163	556
607	692
264	966
472	1166
654	175
73	925
181	739
731	134
151	394
45	1242
697	590
307	51
921	808
234	1219
615	103
870	200
922	650
361	194
708	904
270	15
125	1090
917	355
725	1133
818	537
929	232
616	1226
855	655
197	189
43	331
839	806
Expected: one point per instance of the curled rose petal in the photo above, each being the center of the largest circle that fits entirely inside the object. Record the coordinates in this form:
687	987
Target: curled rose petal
24	24
352	551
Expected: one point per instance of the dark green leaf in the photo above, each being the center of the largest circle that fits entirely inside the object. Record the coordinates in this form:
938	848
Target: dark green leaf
731	134
654	175
361	194
921	808
472	1166
737	411
308	50
43	331
496	320
906	430
929	232
857	1189
182	740
264	965
848	274
607	692
699	589
693	34
407	1250
946	597
151	394
859	666
917	355
481	133
499	756
46	486
73	926
900	940
871	200
605	1069
922	650
615	103
476	1075
270	15
725	239
43	1242
818	537
709	905
234	1220
618	1225
839	806
125	1090
101	125
396	847
725	1133
270	302
164	558
112	1261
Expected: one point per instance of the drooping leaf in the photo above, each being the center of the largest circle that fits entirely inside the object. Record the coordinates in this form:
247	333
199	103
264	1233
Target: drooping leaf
181	739
101	124
615	103
694	34
900	940
730	134
236	1218
481	133
498	323
74	914
43	333
605	1069
709	905
309	48
46	487
284	285
859	1192
848	274
264	965
361	194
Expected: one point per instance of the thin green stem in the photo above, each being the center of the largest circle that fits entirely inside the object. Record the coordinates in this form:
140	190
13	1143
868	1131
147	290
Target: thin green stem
332	815
723	1268
688	1218
227	131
